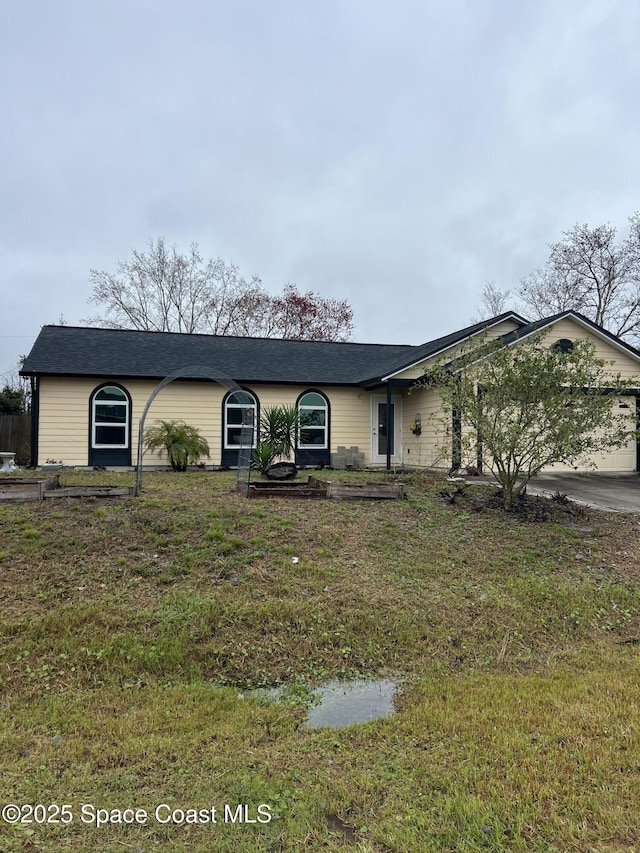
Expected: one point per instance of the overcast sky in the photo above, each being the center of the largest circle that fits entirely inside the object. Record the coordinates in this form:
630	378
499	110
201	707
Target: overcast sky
399	155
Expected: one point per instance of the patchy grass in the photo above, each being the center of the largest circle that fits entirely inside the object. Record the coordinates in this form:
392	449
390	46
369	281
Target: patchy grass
133	631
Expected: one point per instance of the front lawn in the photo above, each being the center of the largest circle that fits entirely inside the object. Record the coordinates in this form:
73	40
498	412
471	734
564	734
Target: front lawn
134	634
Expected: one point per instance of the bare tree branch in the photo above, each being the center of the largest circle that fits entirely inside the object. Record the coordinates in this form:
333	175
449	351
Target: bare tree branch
588	271
163	290
493	302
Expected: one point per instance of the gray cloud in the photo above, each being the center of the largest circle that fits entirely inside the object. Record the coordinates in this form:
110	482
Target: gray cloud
399	156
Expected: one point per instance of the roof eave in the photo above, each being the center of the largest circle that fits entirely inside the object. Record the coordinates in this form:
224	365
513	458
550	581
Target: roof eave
586	323
246	380
511	315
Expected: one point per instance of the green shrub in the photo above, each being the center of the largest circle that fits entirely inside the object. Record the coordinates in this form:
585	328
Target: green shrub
182	443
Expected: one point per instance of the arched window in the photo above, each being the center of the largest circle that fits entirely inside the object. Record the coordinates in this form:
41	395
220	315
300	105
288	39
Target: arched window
313	410
563	345
239	407
110	426
110	418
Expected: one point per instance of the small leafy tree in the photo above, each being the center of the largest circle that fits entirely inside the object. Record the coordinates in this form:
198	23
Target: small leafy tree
182	443
529	405
278	430
13	401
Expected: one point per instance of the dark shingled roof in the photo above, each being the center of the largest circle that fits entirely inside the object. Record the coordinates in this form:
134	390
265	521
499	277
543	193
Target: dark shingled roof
80	351
88	351
76	351
440	344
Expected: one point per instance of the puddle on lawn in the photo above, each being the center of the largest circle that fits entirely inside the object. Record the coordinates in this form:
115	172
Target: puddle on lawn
338	703
343	703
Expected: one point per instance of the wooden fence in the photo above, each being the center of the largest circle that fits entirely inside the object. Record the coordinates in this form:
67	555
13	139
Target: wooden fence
15	435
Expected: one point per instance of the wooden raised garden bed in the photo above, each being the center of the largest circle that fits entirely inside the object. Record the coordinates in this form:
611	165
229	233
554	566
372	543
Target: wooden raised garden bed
91	492
34	489
315	488
364	491
27	488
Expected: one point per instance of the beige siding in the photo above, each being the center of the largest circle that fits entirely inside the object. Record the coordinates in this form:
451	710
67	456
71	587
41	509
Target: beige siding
349	411
617	459
350	419
628	367
622	459
64	420
501	329
425	450
64	414
197	403
414	372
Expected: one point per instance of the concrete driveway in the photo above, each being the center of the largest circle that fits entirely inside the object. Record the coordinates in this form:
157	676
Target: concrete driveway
615	492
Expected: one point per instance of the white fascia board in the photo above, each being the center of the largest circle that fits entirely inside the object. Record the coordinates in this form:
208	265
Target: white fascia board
593	329
547	324
512	316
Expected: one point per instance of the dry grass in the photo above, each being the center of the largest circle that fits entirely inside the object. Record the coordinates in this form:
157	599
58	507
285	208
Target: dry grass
131	629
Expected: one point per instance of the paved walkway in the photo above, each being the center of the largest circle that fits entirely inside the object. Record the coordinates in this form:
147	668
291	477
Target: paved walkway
618	492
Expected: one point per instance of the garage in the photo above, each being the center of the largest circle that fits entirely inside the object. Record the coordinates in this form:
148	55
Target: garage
618	460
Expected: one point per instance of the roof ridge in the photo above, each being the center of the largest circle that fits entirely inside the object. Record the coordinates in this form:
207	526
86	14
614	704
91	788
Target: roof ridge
210	335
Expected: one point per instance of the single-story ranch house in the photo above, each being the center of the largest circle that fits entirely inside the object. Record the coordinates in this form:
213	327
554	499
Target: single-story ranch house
360	402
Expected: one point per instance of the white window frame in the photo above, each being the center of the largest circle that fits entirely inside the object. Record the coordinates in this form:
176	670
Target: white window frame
96	423
325	427
226	424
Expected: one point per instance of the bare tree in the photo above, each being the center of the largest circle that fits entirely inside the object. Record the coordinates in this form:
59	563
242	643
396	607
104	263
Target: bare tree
588	271
493	301
301	316
166	291
163	290
304	313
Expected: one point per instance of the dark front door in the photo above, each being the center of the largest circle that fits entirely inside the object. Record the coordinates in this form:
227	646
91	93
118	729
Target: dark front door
386	420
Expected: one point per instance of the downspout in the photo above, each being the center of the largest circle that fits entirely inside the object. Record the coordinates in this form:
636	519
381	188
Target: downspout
479	459
638	428
35	420
390	425
456	437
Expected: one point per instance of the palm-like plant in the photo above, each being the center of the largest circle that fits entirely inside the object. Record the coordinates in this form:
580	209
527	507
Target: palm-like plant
279	425
278	430
263	456
182	443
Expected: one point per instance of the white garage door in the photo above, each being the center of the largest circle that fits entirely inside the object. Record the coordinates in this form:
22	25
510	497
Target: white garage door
620	459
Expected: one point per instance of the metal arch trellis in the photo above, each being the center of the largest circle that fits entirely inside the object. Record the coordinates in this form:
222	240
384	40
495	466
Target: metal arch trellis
245	447
194	370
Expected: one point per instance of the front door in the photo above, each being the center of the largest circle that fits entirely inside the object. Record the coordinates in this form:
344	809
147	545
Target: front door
386	422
